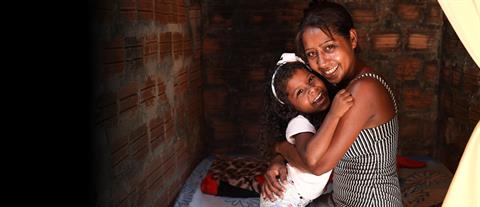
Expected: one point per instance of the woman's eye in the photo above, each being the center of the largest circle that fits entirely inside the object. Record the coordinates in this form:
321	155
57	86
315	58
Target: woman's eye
329	48
310	54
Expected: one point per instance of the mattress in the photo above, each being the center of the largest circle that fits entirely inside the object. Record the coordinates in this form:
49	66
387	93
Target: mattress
421	187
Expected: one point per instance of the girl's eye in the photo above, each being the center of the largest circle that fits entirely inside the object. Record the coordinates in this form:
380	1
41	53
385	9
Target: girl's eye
299	92
310	79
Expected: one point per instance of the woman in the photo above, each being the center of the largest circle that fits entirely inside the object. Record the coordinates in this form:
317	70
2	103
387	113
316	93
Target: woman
364	145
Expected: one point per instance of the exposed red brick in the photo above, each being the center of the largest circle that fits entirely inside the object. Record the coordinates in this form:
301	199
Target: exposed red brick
431	72
161	90
128	97
113	69
215	101
471	79
156	179
145	15
165	45
420	41
187	46
195	76
119	149
113	55
474	111
180	81
416	98
177	44
362	39
217	20
460	107
252	129
435	14
410	132
409	12
150	48
211	46
139	142
386	42
180	11
456	77
128	16
157	131
147	93
120	196
364	16
163	11
407	68
251	104
223	129
218	75
169	130
145	10
134	52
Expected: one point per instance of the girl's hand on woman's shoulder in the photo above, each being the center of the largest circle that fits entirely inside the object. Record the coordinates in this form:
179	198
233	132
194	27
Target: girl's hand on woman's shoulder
342	102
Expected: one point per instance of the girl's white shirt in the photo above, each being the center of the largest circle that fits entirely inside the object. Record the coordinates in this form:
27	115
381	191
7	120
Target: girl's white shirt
307	184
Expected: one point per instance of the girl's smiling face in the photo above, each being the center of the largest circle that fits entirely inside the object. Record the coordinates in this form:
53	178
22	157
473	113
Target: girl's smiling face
306	92
332	57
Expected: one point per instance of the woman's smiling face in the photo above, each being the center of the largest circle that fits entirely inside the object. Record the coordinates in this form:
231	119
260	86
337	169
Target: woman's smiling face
333	58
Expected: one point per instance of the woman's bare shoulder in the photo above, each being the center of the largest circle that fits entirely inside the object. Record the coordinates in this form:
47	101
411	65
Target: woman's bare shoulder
365	86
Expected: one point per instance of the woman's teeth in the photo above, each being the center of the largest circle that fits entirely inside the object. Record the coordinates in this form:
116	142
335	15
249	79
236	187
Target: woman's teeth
328	72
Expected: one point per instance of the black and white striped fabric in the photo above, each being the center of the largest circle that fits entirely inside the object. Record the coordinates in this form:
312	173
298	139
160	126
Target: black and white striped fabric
366	175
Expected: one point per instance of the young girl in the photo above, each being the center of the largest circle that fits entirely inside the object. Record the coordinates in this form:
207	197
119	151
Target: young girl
300	95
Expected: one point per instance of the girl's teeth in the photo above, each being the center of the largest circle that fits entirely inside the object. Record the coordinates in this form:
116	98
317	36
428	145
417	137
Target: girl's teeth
316	98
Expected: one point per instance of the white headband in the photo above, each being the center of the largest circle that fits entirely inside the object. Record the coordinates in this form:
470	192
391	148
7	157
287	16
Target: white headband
285	58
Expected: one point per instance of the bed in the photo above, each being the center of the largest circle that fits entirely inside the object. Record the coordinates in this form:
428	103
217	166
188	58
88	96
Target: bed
421	187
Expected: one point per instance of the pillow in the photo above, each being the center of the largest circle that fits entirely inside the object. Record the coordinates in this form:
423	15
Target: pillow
244	173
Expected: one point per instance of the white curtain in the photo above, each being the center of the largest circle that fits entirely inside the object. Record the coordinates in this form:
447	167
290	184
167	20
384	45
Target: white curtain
464	190
464	15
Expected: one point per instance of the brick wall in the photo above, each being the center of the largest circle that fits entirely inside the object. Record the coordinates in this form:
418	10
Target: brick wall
148	100
459	98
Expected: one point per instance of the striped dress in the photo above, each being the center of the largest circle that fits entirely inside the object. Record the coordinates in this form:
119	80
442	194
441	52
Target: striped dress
366	175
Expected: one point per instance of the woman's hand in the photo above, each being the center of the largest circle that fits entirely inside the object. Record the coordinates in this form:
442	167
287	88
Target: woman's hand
341	103
276	173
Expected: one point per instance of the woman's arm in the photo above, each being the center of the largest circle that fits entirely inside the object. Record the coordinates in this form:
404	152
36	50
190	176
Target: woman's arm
370	104
373	106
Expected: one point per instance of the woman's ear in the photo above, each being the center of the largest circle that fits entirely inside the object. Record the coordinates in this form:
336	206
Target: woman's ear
353	38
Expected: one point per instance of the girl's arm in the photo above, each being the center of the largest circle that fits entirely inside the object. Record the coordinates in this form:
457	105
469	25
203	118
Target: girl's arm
317	143
290	154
